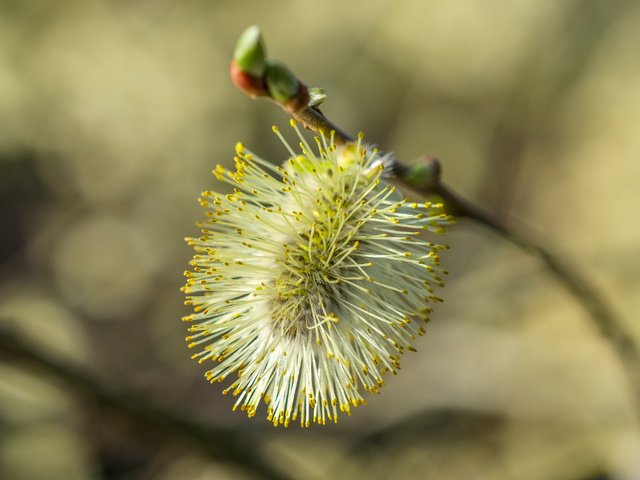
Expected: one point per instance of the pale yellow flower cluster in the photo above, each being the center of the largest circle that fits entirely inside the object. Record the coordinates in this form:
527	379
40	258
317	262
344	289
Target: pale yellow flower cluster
310	280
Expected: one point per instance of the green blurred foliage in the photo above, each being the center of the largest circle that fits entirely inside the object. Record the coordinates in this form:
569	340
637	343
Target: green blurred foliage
113	113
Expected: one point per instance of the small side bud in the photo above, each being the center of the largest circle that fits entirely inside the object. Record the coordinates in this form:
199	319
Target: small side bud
425	173
316	96
281	82
250	53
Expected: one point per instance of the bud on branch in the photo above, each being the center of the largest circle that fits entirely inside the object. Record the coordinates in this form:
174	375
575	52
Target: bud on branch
258	76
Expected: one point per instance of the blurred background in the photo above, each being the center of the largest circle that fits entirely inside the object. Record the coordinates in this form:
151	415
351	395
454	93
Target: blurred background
113	113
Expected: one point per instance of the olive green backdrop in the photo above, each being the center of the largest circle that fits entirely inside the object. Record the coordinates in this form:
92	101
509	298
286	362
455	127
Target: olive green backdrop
113	113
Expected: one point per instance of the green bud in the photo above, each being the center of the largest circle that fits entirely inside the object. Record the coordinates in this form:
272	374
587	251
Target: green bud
316	96
425	173
281	82
250	52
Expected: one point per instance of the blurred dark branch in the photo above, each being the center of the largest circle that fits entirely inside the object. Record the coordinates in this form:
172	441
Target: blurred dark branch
453	432
424	179
453	429
150	423
454	426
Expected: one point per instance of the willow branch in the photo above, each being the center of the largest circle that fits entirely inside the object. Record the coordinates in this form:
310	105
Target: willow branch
151	423
253	74
605	319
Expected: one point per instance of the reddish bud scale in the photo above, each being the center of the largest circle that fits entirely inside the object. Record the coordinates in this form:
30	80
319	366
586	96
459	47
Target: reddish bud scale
253	86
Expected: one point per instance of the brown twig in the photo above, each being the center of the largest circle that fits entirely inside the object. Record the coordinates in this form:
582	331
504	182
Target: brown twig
149	422
605	319
576	282
427	182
